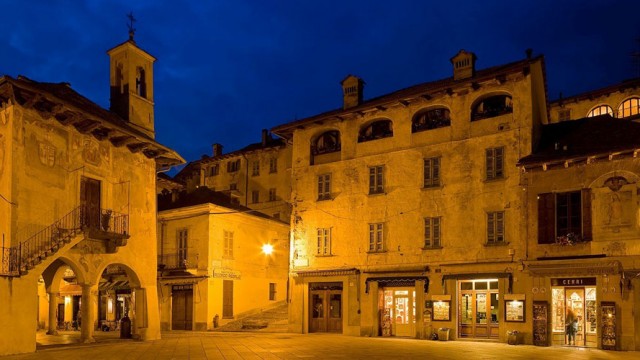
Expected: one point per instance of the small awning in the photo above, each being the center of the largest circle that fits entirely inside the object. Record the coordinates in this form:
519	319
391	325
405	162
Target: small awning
397	281
574	267
113	285
329	272
181	280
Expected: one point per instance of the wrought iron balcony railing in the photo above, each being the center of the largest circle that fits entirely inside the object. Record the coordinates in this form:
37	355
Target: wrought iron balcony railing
177	261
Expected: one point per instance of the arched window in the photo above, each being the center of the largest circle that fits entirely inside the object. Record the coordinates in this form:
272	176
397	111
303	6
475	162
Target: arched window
327	142
431	119
600	110
376	130
491	107
629	107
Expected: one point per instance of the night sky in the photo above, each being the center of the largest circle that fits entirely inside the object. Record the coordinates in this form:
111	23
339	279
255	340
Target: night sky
228	68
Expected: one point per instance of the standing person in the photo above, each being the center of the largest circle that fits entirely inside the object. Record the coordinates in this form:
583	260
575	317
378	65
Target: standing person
571	323
79	319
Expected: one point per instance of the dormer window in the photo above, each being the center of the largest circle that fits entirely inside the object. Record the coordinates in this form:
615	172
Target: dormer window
600	110
491	107
327	142
629	107
431	119
376	130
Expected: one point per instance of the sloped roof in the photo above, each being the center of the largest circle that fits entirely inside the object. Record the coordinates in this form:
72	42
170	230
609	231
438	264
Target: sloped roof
60	101
586	137
204	195
424	89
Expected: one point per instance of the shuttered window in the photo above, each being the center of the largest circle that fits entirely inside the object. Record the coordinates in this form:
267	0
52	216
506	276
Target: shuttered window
494	163
431	172
564	215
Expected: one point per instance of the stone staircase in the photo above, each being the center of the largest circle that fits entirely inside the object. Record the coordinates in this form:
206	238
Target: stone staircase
274	319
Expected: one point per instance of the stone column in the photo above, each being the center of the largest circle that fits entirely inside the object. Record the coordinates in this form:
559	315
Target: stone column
53	320
86	323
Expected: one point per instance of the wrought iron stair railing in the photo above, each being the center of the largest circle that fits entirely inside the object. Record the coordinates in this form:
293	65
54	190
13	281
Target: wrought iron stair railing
19	259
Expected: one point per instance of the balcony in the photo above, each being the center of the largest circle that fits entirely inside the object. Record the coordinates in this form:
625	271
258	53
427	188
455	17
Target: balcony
177	261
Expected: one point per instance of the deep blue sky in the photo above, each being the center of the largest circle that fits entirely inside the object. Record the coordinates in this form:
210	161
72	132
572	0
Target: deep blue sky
228	68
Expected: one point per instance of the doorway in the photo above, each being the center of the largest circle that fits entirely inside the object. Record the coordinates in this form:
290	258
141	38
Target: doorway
182	307
399	310
325	307
90	202
581	303
478	309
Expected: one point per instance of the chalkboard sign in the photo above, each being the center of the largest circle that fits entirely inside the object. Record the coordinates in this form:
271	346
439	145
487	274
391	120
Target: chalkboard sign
540	323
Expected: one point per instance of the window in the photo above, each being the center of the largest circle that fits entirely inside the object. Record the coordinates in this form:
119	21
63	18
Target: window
233	166
228	245
214	170
376	179
376	237
326	143
600	110
629	107
324	187
183	246
432	232
141	82
491	107
564	114
233	186
431	172
273	165
324	242
564	217
495	227
272	194
495	163
376	130
255	168
272	291
431	119
255	196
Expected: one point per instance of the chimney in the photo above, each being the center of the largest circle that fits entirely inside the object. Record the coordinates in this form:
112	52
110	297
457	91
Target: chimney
464	65
217	149
265	137
352	91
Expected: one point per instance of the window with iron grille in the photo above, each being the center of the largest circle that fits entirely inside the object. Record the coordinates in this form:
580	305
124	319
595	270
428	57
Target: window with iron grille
495	227
255	168
272	291
255	196
183	246
228	245
376	179
273	165
272	194
495	163
324	242
432	232
431	172
376	237
324	187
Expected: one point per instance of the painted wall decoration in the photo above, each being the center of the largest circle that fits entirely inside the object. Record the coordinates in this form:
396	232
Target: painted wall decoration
47	153
91	152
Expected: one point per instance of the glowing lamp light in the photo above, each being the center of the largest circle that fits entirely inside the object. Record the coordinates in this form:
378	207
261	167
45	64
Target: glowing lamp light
267	249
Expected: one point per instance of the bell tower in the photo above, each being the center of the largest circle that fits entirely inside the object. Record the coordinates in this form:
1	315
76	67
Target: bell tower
131	81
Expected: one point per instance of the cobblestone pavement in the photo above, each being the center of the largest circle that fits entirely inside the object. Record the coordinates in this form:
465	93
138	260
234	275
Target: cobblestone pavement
208	345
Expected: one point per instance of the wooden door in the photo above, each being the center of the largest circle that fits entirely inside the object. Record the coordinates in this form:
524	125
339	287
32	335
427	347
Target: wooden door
90	202
227	299
334	311
325	311
182	308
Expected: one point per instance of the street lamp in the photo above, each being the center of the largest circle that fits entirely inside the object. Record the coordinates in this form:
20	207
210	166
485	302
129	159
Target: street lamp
267	249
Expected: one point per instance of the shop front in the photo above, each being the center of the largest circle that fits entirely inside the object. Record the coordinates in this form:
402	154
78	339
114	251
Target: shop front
574	319
479	308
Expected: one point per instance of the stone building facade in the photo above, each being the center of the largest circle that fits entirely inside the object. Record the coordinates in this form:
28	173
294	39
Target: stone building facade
257	176
407	208
218	261
78	204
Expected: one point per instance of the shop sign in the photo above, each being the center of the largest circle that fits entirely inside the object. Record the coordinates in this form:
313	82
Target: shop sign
226	274
573	281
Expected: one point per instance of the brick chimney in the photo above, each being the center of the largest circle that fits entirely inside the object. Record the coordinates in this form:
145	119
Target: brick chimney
265	137
352	91
217	149
464	65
